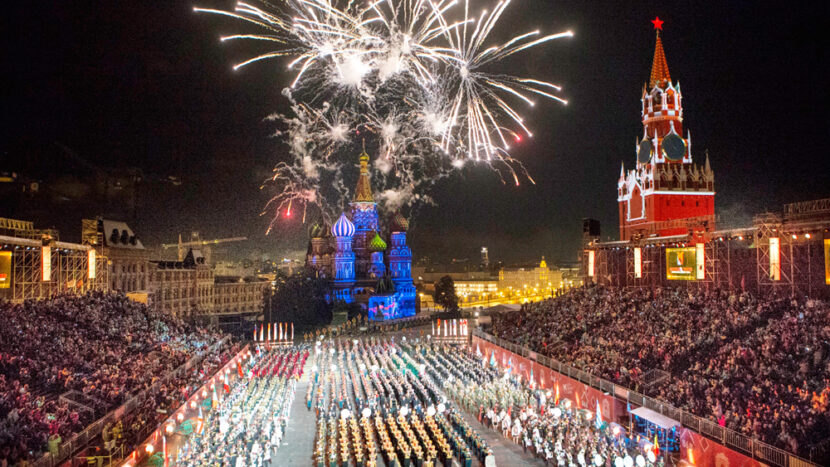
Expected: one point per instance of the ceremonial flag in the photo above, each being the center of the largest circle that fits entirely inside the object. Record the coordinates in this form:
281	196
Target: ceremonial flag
599	415
556	401
576	394
200	421
478	350
214	399
656	446
292	330
227	388
239	369
532	382
261	332
254	333
492	358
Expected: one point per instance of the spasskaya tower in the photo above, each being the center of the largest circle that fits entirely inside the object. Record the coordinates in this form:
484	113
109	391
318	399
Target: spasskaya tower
665	193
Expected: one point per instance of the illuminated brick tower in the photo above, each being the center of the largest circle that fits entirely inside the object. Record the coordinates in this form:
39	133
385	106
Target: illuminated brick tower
666	193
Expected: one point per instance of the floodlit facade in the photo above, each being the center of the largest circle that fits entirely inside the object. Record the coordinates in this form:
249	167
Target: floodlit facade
365	263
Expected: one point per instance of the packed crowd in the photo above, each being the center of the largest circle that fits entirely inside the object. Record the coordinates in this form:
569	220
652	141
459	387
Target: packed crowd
101	348
248	423
758	366
162	401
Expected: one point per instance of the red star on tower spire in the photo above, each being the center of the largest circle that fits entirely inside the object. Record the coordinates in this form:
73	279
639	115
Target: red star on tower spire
658	23
659	67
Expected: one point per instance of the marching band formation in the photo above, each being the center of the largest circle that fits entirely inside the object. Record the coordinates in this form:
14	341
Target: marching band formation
246	427
378	401
399	404
375	403
552	429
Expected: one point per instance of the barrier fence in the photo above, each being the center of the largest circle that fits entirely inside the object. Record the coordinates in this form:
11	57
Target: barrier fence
738	442
82	439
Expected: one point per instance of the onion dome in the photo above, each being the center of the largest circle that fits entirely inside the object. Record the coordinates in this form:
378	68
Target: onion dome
318	230
399	223
343	227
377	243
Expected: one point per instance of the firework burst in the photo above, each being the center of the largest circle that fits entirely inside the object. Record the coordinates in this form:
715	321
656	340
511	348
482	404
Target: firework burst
424	87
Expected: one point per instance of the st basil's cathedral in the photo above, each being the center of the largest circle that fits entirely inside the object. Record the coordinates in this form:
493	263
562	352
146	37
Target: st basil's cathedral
365	262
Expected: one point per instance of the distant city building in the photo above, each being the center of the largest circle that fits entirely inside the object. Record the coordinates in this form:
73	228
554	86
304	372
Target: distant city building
427	276
233	269
485	257
128	261
476	287
521	278
362	267
187	288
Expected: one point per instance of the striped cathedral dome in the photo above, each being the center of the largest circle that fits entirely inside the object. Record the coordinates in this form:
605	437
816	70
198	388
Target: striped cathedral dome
343	227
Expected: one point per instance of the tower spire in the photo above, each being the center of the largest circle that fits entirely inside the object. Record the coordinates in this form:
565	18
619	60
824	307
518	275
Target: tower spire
659	66
363	190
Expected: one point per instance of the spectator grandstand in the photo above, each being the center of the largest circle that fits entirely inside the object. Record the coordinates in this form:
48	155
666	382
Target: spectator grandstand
755	365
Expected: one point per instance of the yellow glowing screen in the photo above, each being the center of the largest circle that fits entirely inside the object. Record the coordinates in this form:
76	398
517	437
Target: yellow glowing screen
681	264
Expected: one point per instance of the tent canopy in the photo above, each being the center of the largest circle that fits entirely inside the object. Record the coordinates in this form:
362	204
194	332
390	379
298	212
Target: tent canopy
656	418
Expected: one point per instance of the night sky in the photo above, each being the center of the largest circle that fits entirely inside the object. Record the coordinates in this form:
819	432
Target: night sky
100	87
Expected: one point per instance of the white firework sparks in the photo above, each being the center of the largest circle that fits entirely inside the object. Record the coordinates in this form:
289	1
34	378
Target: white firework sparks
421	84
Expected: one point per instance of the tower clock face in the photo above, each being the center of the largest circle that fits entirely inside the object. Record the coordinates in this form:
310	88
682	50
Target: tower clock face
644	151
674	148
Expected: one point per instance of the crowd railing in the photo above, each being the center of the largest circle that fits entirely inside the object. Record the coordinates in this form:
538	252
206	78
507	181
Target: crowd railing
151	432
734	440
82	439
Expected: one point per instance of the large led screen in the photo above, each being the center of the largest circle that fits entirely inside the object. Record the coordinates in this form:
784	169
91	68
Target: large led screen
681	264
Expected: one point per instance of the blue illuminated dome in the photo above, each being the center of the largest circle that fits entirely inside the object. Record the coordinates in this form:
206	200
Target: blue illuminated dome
343	227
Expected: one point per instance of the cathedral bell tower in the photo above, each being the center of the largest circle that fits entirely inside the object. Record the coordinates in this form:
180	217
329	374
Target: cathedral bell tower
364	215
666	193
